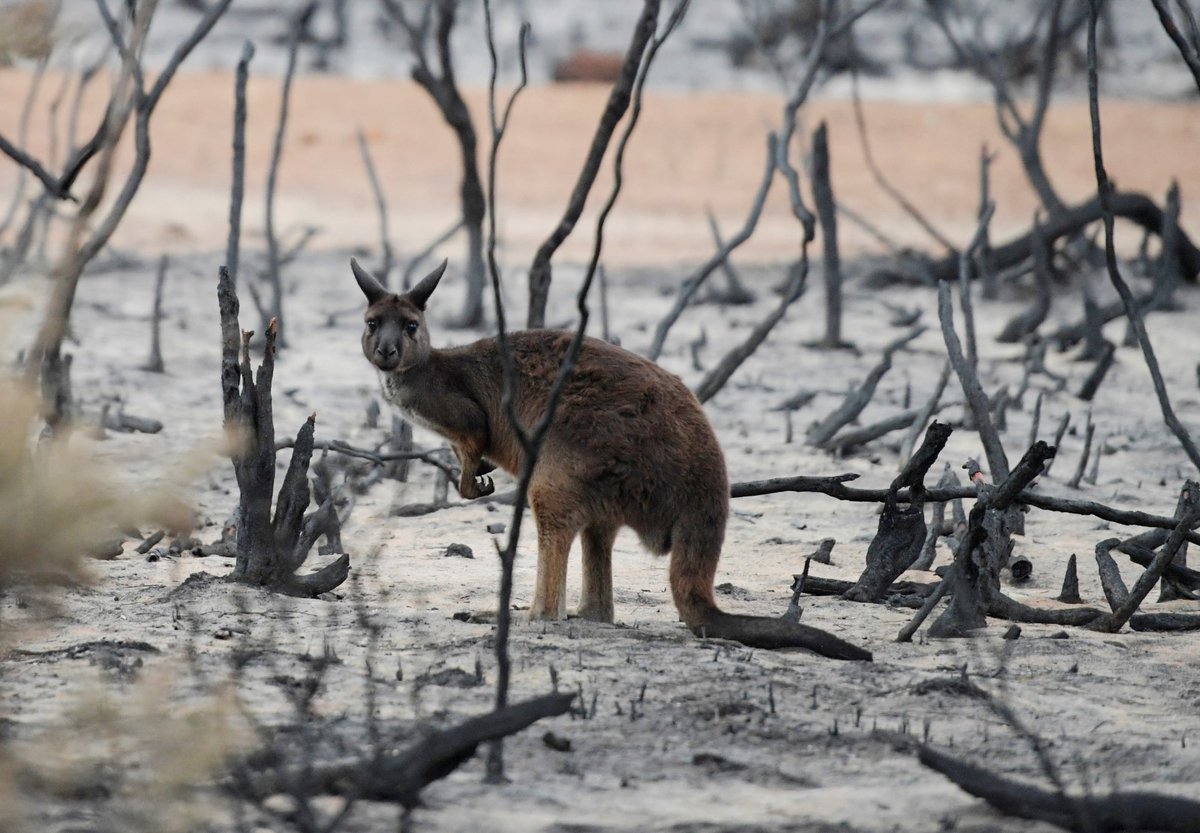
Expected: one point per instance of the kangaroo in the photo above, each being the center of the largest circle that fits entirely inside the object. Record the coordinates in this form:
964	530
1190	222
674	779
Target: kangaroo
629	445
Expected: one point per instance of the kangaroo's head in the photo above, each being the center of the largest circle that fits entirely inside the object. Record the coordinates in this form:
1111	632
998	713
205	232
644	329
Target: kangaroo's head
395	338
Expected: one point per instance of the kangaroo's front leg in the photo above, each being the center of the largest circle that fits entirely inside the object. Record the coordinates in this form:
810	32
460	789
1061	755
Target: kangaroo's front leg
471	483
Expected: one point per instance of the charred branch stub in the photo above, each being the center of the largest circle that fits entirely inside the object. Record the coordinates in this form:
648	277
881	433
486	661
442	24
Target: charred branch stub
269	549
901	533
976	576
827	215
155	363
1070	586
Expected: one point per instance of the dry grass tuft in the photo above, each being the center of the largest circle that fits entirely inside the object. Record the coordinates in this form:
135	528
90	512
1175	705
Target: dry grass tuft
26	29
57	501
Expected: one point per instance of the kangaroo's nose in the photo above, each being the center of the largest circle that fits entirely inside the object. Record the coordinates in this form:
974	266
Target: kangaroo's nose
385	352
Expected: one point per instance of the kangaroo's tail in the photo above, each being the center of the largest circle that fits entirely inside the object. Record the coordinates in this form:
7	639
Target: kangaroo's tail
694	556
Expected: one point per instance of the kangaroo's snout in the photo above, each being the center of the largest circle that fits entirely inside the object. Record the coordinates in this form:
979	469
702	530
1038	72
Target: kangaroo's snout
386	357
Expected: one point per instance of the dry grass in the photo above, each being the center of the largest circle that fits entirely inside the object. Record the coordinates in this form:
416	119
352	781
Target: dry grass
26	29
56	500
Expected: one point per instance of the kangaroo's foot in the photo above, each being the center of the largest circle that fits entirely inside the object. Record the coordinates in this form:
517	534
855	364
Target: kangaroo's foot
595	613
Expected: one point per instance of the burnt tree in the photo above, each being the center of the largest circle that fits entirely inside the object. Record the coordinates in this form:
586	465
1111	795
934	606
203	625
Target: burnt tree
270	548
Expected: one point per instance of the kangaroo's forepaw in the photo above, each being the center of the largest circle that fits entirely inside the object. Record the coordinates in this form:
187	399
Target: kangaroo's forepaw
476	487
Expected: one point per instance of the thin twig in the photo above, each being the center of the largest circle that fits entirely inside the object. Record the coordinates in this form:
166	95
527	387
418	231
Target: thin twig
415	262
688	289
614	110
238	187
1187	50
274	265
385	270
1104	189
860	122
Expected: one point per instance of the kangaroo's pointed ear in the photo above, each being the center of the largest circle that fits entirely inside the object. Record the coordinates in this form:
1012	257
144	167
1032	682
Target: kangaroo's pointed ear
371	287
420	293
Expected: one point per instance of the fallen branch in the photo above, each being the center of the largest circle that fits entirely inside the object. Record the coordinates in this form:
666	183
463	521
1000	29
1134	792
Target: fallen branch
1188	516
1113	812
400	777
1138	208
835	486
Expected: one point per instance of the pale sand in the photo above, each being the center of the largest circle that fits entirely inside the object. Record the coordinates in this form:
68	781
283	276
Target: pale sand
690	152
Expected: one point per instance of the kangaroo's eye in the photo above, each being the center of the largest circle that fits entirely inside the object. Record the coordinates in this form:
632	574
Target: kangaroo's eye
372	326
411	328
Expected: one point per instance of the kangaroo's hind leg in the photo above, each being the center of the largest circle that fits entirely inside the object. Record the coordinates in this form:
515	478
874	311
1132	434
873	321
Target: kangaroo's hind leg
556	530
597	602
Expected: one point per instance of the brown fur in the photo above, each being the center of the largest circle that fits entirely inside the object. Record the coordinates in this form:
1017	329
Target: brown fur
629	446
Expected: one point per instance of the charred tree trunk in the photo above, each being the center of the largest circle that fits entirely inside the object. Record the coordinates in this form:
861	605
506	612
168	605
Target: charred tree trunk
269	549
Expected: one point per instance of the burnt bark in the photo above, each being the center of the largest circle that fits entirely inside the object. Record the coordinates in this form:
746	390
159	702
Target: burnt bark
976	580
269	549
901	533
827	216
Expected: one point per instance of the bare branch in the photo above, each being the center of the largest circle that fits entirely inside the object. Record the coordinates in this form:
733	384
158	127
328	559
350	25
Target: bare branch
385	270
877	174
237	189
1187	50
53	185
614	110
1104	189
274	262
689	287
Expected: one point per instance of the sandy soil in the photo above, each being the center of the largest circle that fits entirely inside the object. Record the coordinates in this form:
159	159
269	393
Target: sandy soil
683	736
691	152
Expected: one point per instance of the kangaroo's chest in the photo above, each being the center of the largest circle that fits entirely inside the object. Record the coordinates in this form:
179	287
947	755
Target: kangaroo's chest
406	400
